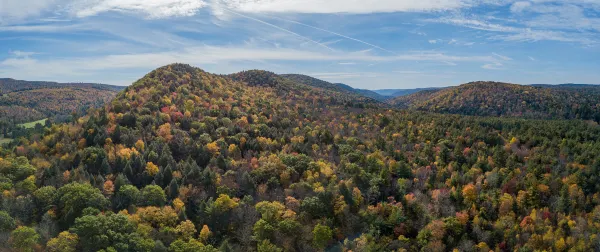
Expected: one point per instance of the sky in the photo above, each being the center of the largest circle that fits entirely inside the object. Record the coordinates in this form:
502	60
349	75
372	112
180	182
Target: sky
370	44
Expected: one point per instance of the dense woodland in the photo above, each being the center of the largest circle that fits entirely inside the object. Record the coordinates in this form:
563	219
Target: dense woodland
509	100
27	101
184	160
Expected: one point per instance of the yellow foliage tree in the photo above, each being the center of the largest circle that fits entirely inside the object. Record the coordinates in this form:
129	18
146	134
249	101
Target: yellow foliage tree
151	169
205	233
469	193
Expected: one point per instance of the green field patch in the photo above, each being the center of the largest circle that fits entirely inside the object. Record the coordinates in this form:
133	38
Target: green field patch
30	125
5	140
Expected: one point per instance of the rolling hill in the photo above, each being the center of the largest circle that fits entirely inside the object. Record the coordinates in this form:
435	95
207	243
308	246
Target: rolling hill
338	87
186	160
364	92
25	101
302	83
509	100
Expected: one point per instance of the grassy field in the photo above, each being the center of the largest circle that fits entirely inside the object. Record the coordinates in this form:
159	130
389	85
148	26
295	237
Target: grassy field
30	125
5	140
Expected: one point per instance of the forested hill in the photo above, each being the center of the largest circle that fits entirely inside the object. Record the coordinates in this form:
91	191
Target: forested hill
311	81
8	85
184	160
26	101
302	84
364	92
503	99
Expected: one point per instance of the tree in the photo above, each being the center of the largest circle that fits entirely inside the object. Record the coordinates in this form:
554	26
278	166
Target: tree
24	239
205	233
65	242
190	246
93	158
263	229
267	246
44	198
225	203
321	235
270	211
469	193
7	223
74	197
126	196
186	230
152	195
151	169
102	231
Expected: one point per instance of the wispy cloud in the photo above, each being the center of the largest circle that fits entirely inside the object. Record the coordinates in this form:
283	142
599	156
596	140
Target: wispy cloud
338	34
514	33
493	66
407	72
20	54
279	28
502	57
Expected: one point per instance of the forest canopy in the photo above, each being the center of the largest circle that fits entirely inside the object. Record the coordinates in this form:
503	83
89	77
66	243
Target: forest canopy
185	160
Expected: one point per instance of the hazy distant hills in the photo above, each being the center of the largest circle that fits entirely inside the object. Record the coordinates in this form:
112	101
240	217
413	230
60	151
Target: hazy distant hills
567	85
365	92
391	93
11	85
504	99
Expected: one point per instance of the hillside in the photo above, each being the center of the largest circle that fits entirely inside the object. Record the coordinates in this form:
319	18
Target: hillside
8	85
185	160
314	82
502	99
25	101
287	83
364	92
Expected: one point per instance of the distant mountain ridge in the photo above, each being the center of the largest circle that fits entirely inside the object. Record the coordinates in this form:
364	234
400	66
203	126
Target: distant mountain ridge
512	100
364	92
400	92
11	85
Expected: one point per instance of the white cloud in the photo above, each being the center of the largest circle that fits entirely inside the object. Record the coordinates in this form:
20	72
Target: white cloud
79	67
532	58
519	6
433	41
152	8
21	10
345	6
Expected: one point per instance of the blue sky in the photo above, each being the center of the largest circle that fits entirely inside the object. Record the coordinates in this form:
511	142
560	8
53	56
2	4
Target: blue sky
370	44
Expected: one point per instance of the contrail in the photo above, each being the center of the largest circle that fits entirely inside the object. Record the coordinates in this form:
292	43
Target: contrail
335	33
279	28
